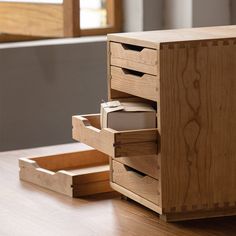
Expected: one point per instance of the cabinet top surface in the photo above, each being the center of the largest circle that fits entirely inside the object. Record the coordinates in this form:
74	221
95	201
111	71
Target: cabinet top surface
153	39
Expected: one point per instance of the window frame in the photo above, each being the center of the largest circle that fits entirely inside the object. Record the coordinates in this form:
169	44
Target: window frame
69	17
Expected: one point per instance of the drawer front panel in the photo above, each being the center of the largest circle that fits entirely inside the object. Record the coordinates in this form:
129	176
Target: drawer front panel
133	180
134	58
149	164
137	84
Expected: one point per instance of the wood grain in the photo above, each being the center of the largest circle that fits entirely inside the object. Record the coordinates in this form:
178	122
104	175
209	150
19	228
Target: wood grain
149	164
70	160
44	20
141	59
196	114
114	143
154	39
198	108
71	18
24	205
144	85
74	174
136	182
4	38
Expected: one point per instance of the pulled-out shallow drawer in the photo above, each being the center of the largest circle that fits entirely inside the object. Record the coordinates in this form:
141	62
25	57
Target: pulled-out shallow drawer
86	129
148	164
74	174
134	57
135	83
135	181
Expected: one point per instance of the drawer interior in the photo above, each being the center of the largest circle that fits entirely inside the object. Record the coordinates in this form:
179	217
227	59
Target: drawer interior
148	164
86	129
74	174
75	161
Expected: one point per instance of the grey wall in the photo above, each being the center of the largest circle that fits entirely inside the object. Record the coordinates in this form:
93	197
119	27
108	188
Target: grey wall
197	13
41	87
211	12
177	14
233	11
132	15
142	15
152	14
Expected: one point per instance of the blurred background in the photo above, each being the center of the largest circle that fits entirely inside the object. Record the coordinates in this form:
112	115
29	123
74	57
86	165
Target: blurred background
53	57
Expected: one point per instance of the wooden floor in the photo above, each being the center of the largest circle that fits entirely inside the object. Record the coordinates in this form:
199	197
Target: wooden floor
26	209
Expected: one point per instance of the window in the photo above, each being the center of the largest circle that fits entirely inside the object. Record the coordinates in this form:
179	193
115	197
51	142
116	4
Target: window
100	16
59	18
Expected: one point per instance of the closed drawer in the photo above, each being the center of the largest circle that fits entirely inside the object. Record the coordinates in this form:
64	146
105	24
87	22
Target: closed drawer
86	129
148	164
135	181
135	83
134	58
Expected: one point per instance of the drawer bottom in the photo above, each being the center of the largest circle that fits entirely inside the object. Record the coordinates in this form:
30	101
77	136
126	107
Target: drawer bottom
136	198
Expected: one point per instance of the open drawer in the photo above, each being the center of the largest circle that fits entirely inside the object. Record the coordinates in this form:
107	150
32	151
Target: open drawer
86	129
78	173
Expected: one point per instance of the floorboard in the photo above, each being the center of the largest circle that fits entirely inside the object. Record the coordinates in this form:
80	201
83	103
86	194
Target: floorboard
26	209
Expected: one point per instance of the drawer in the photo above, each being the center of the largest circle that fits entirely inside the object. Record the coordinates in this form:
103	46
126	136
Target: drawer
135	83
134	57
86	129
148	164
135	181
78	173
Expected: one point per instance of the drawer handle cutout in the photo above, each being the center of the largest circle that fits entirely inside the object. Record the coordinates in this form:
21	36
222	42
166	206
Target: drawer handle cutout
132	72
132	47
138	173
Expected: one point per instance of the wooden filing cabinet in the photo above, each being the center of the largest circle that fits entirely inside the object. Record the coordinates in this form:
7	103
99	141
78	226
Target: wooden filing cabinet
186	168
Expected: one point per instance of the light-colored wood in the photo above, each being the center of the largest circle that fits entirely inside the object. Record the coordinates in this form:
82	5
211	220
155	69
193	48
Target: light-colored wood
53	20
149	164
196	116
200	104
42	20
153	39
112	142
135	181
74	174
71	160
142	85
136	197
83	131
139	59
24	205
45	20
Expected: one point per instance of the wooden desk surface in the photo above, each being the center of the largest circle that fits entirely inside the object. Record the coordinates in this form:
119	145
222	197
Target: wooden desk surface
26	209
